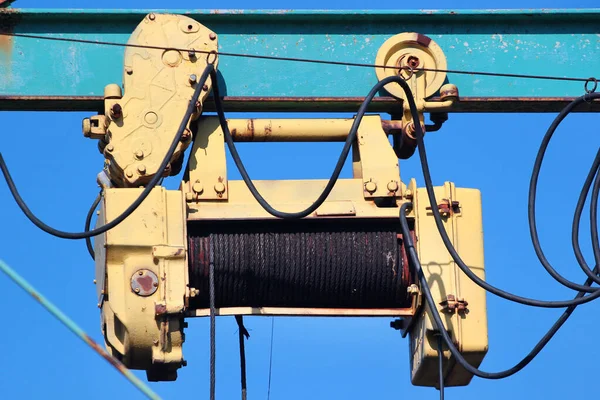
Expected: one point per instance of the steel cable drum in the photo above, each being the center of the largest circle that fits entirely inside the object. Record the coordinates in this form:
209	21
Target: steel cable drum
299	264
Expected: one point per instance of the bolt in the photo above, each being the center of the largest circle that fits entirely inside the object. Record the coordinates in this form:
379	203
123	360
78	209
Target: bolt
412	289
212	36
151	16
99	305
392	186
86	127
396	324
205	88
408	194
155	284
128	70
137	290
155	342
193	79
189	197
413	62
219	187
116	111
192	53
139	154
110	147
197	187
94	281
141	169
140	273
129	174
370	186
448	92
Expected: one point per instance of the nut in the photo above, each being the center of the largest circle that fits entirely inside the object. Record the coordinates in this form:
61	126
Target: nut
448	92
370	186
219	187
116	111
413	61
197	187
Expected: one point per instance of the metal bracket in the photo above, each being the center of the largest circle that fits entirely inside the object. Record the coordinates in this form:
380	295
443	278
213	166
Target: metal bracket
452	304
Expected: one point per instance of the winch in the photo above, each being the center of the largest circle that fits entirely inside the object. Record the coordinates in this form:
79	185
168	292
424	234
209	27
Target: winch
344	256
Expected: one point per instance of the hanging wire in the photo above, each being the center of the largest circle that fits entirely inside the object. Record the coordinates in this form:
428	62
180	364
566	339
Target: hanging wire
73	327
587	81
271	359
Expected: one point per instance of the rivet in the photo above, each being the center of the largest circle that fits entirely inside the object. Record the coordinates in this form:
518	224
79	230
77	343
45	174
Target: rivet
129	174
140	273
110	147
99	305
212	36
155	284
141	169
151	16
116	111
137	290
94	281
128	70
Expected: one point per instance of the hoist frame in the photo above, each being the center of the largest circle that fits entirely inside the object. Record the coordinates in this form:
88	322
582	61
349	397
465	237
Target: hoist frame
206	194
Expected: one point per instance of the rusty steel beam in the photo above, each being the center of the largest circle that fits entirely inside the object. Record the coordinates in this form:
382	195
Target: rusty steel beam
307	104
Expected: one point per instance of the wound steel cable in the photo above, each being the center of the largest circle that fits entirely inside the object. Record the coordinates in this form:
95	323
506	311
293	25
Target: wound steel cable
300	59
74	328
153	182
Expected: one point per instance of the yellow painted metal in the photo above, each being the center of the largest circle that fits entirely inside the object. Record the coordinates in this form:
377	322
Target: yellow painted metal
139	127
346	200
407	55
144	326
307	312
462	303
290	130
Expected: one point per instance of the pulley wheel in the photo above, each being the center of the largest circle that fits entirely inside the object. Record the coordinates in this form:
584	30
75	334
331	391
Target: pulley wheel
411	51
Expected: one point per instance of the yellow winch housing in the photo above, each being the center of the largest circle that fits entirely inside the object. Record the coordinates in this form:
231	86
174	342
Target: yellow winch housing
346	258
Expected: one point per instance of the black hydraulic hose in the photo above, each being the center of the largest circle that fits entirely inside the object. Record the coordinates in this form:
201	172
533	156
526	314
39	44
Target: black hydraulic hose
88	222
414	259
444	235
577	219
533	189
338	167
594	219
155	179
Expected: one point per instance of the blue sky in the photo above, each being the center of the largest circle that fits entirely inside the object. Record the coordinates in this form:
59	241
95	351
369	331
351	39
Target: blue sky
55	168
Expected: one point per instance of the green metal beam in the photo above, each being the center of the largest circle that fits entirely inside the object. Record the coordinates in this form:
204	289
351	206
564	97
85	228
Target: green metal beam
44	75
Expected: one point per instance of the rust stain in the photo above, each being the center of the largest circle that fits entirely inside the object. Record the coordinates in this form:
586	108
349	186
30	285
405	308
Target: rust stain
113	361
145	282
160	309
9	19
